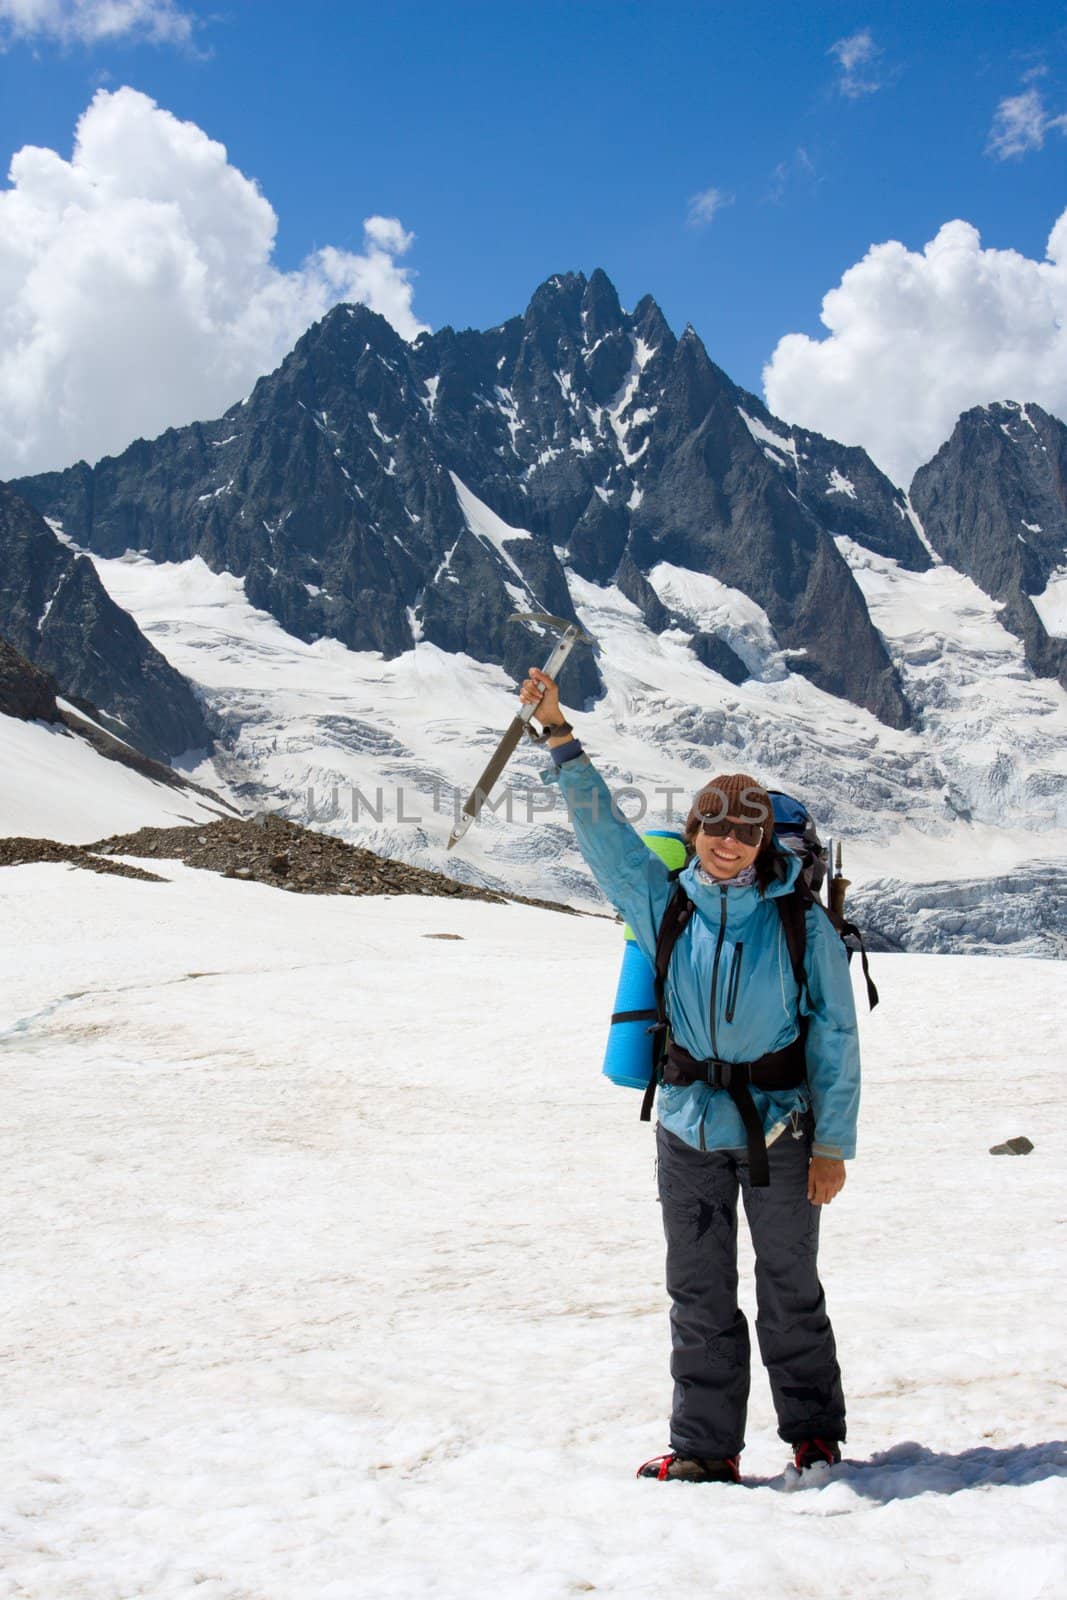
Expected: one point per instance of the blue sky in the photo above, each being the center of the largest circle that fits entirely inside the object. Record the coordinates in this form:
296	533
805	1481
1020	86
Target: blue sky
516	140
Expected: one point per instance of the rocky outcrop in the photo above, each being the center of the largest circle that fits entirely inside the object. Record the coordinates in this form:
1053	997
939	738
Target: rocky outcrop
272	850
993	503
56	613
25	691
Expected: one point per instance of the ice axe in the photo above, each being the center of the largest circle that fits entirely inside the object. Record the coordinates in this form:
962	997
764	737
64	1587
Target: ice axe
571	635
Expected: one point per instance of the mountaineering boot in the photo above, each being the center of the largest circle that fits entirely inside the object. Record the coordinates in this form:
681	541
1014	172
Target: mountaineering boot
673	1468
808	1453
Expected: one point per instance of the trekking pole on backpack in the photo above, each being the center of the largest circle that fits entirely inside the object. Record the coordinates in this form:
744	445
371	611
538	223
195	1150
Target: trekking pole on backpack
836	890
835	894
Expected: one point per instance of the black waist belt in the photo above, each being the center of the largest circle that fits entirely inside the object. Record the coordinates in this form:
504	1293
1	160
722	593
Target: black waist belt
779	1069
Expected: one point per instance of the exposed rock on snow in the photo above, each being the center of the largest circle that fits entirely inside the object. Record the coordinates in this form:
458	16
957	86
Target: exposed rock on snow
1019	1146
272	850
20	852
376	751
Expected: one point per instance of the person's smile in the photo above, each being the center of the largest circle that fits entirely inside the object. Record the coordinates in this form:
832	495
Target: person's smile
726	857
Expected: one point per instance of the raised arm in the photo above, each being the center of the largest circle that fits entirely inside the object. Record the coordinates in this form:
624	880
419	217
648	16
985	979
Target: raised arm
631	876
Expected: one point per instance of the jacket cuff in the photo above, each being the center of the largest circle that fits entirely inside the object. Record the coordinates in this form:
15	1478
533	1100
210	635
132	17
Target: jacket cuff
566	752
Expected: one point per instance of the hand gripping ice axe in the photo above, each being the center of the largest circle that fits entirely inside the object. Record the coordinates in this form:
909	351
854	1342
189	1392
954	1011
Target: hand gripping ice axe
572	634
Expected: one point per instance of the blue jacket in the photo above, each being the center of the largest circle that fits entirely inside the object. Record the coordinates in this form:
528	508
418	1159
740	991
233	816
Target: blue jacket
736	939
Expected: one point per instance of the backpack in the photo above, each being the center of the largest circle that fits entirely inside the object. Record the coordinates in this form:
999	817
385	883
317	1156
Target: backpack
794	830
794	827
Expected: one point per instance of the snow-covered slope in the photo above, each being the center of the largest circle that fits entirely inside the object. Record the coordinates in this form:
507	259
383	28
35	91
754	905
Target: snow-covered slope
1003	730
384	751
310	1291
55	785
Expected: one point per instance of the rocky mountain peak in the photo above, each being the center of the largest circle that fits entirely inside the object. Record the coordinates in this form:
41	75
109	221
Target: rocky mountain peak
601	312
695	382
649	324
558	299
385	493
993	502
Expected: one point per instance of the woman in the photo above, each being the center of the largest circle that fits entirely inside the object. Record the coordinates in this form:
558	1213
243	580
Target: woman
732	998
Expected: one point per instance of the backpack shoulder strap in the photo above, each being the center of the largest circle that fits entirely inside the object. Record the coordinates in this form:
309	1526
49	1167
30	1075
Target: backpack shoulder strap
676	914
792	909
678	910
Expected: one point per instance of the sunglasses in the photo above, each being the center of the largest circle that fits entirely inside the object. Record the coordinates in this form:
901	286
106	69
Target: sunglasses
749	833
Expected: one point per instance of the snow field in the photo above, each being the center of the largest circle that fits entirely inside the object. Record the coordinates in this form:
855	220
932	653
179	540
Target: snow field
56	786
1051	605
333	1269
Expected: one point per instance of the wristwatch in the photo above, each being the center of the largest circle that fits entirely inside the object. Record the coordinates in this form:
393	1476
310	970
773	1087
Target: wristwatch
552	730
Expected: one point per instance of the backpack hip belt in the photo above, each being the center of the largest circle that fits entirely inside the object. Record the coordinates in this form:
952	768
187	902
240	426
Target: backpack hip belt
778	1069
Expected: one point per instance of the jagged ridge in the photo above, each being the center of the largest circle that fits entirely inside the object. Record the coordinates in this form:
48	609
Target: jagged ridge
610	444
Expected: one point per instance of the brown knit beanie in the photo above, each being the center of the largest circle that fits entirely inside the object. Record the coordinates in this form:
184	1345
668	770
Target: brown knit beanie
737	795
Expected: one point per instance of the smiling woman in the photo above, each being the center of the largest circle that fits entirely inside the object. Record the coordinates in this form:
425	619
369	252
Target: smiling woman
758	1102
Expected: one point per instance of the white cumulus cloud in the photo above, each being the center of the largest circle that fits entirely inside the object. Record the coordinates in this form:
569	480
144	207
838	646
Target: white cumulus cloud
92	21
917	337
138	289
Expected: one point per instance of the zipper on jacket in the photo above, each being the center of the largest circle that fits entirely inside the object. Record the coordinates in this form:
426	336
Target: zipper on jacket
734	983
715	989
715	968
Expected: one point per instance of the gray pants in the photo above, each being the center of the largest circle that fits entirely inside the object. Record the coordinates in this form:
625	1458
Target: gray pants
710	1360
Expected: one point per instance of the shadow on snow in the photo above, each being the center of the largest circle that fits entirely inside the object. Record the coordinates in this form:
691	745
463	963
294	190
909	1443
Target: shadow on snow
911	1469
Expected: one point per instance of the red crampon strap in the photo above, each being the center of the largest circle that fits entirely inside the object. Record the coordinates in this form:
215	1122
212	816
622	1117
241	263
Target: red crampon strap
815	1447
663	1466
